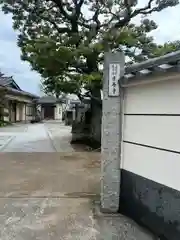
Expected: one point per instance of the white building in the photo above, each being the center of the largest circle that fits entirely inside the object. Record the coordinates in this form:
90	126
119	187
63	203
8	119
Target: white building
51	107
141	144
19	107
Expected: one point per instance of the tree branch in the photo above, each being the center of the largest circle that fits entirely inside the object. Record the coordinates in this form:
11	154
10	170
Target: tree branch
78	7
75	2
97	100
144	10
39	14
60	30
61	8
128	6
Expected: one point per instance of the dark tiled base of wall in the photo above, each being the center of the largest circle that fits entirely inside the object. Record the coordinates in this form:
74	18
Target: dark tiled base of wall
151	204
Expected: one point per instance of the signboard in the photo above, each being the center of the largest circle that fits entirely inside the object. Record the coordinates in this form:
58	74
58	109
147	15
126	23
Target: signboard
114	76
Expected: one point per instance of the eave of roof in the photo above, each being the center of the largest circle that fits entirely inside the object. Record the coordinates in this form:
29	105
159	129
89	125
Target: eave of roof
7	81
50	100
160	66
20	92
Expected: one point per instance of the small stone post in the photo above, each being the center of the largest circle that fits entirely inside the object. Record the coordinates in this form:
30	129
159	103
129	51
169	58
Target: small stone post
111	132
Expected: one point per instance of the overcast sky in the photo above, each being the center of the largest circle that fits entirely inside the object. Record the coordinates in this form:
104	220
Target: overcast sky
10	63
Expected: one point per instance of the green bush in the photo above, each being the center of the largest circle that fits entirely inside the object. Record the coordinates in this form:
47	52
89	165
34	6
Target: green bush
4	123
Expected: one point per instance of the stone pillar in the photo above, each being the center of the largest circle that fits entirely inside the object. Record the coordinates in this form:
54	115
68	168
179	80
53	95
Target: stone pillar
74	114
42	112
111	136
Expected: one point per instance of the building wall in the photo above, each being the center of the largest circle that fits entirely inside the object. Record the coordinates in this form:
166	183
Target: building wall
150	165
22	108
58	111
24	112
29	113
18	112
6	118
19	98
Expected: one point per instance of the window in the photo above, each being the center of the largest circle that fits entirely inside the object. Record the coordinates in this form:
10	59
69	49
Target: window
29	110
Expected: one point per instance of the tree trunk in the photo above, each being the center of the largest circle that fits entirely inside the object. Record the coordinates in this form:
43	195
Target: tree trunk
95	123
96	113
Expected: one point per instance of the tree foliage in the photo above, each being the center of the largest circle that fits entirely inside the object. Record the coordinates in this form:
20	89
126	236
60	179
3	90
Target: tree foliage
64	40
166	48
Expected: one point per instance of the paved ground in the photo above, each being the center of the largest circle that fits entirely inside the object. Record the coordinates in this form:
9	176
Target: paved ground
48	189
48	137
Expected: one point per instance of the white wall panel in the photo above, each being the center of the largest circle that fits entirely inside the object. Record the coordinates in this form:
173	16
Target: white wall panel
159	166
58	112
18	112
161	97
6	118
28	118
157	131
23	112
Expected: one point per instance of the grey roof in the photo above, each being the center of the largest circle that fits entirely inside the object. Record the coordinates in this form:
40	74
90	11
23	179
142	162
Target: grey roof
5	84
8	82
75	102
169	63
50	99
4	81
12	87
20	92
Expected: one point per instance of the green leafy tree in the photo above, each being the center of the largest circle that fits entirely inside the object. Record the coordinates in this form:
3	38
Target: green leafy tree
64	40
166	48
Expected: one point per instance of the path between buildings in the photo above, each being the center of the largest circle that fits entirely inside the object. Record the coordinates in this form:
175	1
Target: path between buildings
48	190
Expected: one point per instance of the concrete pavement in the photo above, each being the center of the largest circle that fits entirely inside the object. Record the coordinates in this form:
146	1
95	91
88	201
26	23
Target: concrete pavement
9	133
47	195
48	137
48	190
32	138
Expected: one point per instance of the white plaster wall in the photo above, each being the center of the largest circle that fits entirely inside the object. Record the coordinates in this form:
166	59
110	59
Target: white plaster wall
58	112
29	118
18	112
154	131
157	131
6	118
159	166
23	112
161	97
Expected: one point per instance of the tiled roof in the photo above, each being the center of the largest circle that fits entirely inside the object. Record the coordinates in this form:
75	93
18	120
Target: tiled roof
20	92
50	99
4	81
8	82
169	63
12	87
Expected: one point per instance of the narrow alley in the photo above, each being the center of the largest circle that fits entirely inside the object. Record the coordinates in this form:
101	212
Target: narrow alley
49	190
